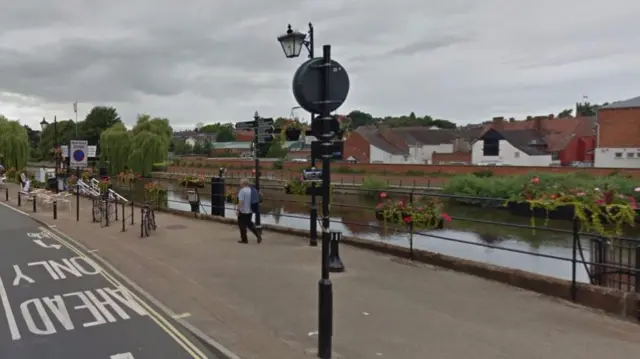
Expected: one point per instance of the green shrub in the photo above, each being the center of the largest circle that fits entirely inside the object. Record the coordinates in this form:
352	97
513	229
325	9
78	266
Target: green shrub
278	165
510	186
372	186
483	173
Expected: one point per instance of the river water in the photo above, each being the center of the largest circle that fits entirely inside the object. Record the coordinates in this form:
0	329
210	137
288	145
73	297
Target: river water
355	216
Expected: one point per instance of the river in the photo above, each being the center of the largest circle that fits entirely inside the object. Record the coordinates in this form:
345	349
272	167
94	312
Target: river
354	216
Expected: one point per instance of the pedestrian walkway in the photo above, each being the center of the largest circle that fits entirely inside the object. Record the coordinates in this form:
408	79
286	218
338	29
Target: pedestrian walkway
260	300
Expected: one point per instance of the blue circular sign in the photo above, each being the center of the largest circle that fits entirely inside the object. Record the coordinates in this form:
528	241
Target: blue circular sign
78	155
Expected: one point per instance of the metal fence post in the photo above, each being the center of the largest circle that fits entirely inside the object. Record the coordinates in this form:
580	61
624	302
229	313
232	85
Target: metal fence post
55	209
19	199
132	211
141	222
574	258
411	228
33	198
115	205
123	219
637	270
106	209
6	194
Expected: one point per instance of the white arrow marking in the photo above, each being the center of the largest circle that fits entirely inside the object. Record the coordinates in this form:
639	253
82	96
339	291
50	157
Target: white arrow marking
44	245
123	356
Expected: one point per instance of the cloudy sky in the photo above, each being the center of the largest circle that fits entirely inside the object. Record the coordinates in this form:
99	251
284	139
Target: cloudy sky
218	61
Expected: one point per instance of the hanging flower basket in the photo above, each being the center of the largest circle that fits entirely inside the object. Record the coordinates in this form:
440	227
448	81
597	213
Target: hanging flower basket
297	186
603	211
156	193
192	181
231	196
128	177
423	213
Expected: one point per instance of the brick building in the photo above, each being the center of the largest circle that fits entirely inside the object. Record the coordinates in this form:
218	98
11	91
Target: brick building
618	135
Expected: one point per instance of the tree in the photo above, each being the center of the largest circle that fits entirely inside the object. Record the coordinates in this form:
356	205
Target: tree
207	148
147	143
277	146
99	119
181	147
116	143
225	134
14	144
34	142
198	148
66	131
565	113
588	109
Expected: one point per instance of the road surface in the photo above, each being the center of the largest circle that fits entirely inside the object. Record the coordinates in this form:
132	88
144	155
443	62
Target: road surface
58	303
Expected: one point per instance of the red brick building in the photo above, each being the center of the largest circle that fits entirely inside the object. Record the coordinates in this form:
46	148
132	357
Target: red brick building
618	135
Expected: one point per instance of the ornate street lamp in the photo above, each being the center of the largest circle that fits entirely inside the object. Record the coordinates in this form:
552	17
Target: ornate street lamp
44	124
292	42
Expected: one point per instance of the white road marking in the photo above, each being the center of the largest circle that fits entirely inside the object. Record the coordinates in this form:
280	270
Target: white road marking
123	356
44	245
11	320
181	316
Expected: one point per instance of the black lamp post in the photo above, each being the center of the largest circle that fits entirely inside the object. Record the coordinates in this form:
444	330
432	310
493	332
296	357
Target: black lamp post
292	42
44	125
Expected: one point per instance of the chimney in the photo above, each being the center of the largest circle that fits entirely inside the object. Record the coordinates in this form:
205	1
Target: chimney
537	123
552	116
498	122
529	118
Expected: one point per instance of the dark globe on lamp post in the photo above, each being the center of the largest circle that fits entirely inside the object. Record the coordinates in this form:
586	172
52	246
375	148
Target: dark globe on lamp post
44	124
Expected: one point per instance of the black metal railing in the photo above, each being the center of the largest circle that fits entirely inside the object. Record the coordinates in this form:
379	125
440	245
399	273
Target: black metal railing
614	262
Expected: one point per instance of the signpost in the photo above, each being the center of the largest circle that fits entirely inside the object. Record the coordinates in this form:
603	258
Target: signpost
79	154
262	133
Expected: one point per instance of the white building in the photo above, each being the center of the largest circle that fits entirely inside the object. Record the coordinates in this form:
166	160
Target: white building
511	148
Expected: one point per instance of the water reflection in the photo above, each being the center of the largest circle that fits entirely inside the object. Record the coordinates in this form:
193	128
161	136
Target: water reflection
353	215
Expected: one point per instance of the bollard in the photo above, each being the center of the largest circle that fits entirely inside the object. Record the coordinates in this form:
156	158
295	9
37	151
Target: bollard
55	209
132	211
19	199
335	263
6	194
115	205
33	198
141	222
123	221
106	210
194	201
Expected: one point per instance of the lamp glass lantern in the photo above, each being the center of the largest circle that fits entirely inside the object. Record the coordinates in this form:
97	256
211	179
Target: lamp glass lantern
292	42
44	124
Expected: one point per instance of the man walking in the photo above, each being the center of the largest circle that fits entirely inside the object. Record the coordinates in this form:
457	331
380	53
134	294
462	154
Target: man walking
244	212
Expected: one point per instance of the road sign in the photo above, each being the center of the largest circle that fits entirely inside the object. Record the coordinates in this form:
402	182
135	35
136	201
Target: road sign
307	86
91	151
247	125
265	121
65	151
265	137
336	150
78	151
266	129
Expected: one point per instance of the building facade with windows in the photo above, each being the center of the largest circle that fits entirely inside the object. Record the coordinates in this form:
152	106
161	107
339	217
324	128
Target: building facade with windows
618	135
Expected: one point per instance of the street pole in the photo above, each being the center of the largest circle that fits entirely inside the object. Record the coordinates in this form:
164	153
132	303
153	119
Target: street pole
313	215
325	288
55	140
256	117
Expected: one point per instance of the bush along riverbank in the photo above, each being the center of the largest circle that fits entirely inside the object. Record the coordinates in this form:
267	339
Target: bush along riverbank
603	205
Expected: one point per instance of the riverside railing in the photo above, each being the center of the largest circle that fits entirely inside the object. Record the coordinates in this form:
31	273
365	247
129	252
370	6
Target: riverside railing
614	262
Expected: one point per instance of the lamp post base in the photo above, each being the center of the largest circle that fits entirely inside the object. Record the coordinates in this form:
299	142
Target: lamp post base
325	318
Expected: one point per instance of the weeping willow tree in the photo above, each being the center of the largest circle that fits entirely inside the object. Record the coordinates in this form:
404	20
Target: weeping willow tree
148	148
138	149
115	146
14	144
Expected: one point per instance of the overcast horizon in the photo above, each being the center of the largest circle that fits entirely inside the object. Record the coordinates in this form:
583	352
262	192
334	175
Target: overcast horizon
209	61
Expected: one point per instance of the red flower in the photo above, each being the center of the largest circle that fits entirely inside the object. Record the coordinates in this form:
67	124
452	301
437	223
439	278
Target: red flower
407	219
383	195
379	205
401	204
535	180
446	217
139	176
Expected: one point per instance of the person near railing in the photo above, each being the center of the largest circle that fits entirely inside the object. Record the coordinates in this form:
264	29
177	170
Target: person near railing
245	213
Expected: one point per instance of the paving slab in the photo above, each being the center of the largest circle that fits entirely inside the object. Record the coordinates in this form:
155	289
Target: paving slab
260	300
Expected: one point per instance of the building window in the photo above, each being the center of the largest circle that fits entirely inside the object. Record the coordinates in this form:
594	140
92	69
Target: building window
555	156
630	154
406	158
491	148
516	155
618	154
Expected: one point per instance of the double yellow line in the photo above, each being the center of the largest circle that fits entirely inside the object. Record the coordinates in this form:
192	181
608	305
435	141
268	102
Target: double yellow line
167	327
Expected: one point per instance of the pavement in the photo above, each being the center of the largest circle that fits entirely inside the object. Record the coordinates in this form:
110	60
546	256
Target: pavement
59	303
260	300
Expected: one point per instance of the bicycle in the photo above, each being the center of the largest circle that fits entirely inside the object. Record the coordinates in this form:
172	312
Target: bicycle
100	209
148	220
